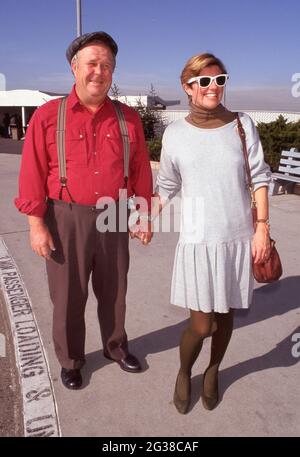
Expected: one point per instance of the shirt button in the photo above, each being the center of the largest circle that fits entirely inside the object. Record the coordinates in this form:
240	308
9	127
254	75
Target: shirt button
80	136
96	172
94	134
95	153
108	134
96	193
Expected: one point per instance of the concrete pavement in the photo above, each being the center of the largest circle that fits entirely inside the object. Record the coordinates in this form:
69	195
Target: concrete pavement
259	380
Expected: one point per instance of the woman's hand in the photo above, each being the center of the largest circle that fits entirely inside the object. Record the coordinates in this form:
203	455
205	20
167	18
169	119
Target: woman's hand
261	243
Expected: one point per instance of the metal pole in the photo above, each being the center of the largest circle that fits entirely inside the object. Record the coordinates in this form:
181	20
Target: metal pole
23	120
79	26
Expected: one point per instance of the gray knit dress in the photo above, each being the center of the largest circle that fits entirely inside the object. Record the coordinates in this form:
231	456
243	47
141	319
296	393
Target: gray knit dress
212	266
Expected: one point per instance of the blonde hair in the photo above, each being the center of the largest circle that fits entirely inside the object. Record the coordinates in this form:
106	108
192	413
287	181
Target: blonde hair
197	63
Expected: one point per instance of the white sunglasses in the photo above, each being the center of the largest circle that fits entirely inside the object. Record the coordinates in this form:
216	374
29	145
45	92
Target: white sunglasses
205	81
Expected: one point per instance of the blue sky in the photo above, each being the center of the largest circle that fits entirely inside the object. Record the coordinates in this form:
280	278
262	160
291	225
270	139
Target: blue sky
258	40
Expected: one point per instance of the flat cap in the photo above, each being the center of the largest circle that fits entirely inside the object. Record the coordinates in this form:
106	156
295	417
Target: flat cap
82	40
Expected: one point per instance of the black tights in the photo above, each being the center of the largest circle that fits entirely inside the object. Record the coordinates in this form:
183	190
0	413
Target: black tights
202	325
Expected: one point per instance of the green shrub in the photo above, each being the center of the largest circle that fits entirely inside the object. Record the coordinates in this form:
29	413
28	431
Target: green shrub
277	136
154	148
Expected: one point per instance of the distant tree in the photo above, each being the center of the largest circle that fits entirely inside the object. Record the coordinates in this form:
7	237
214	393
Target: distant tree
115	90
152	91
151	119
148	117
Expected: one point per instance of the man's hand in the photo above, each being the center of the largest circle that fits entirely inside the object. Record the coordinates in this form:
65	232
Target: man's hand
40	238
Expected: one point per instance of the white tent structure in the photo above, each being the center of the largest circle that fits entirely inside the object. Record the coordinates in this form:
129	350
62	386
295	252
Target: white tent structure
24	97
153	102
20	99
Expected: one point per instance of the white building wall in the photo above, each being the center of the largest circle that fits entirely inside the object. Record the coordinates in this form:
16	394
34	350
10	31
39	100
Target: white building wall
257	116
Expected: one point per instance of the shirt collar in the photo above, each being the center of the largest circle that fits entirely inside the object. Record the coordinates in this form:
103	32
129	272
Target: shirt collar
73	99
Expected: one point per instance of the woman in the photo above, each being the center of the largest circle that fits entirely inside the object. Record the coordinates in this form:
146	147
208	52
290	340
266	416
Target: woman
202	155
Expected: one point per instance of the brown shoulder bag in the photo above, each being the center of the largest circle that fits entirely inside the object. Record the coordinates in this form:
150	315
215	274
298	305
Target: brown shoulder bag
270	269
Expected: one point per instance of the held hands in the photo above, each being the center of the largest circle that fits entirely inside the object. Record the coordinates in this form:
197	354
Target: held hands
143	230
261	244
139	225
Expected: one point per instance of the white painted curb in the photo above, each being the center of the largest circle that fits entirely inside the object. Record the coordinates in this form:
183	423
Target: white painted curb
39	404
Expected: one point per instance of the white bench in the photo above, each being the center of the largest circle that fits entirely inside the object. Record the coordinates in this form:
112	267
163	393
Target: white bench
288	174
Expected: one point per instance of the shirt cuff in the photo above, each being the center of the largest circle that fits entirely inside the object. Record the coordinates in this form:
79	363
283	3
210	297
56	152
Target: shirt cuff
31	207
257	185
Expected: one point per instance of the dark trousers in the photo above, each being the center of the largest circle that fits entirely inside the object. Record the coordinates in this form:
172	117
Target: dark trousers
82	251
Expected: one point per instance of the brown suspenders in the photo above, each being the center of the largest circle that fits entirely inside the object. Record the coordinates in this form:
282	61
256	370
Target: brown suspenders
61	146
125	139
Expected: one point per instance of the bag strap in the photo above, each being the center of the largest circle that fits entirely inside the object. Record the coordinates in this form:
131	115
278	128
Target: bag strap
125	138
247	166
242	134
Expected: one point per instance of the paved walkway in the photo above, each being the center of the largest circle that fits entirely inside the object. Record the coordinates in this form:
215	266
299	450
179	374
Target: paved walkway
259	380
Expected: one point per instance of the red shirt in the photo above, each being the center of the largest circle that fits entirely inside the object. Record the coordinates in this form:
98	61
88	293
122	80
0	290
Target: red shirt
94	156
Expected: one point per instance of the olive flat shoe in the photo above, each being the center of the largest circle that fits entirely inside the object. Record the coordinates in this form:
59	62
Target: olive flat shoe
181	405
210	402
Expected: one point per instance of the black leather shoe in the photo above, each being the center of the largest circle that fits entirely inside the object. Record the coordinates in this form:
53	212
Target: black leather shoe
129	363
71	379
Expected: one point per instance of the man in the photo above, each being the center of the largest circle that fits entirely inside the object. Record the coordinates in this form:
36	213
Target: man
63	219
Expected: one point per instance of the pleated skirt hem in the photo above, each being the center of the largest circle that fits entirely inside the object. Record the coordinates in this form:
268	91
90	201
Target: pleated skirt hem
213	277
